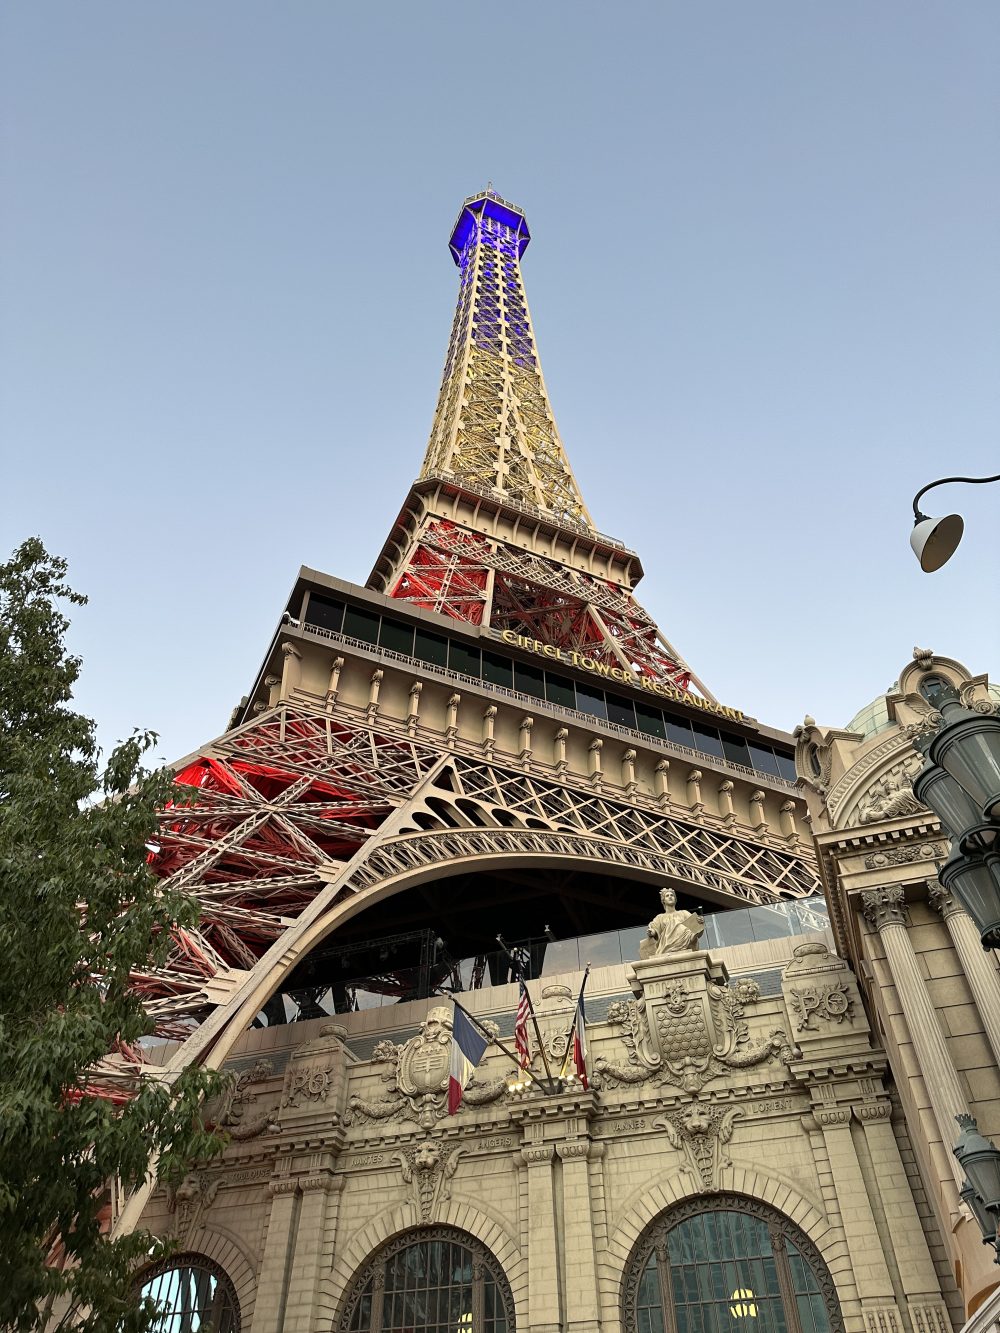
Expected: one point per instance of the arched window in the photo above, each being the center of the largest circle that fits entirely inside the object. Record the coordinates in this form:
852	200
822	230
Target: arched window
192	1294
727	1264
435	1280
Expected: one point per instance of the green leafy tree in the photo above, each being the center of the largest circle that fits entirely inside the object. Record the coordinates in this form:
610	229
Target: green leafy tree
79	913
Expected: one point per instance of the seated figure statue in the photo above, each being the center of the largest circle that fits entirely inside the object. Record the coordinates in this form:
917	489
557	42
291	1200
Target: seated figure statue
671	931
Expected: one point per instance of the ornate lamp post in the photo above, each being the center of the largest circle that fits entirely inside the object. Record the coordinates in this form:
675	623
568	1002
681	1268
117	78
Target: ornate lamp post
981	1163
934	540
961	784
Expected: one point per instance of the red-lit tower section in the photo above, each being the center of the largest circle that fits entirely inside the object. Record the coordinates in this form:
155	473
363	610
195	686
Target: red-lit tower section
495	532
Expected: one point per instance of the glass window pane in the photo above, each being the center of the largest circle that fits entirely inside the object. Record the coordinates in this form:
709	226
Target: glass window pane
397	636
602	950
707	739
191	1298
621	711
498	670
431	648
529	680
650	720
559	690
324	612
590	700
763	759
679	731
464	659
786	765
736	750
361	624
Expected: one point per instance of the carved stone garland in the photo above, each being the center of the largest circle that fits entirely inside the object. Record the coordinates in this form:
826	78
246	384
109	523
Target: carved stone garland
428	1168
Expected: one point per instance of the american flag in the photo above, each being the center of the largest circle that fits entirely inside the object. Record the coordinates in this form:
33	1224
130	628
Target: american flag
521	1027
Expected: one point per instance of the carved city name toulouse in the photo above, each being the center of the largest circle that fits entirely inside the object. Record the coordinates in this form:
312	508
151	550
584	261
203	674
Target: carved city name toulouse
572	658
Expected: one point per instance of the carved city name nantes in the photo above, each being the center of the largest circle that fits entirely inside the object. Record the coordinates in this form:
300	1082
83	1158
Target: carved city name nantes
572	658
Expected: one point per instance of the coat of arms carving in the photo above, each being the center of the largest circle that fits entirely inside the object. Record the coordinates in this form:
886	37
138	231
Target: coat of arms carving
418	1078
687	1027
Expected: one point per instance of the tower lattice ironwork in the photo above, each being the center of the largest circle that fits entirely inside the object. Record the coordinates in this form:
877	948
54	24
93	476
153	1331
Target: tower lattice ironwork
495	439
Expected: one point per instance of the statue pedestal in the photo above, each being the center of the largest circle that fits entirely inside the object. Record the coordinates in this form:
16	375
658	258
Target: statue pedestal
689	970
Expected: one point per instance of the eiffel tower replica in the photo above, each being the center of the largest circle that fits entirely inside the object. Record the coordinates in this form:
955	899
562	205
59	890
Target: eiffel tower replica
492	737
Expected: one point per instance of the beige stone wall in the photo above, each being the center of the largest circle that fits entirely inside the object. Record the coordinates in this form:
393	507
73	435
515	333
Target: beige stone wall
789	1106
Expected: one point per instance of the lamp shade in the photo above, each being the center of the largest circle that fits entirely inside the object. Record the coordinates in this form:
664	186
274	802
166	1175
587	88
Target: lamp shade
974	879
968	748
934	540
955	808
987	1222
981	1163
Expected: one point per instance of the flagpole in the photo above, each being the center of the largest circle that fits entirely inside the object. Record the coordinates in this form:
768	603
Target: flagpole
495	1040
541	1045
576	1014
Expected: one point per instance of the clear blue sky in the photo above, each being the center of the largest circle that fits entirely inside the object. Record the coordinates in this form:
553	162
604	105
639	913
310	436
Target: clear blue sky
765	278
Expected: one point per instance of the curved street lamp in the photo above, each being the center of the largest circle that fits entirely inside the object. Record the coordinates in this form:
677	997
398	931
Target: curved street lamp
934	540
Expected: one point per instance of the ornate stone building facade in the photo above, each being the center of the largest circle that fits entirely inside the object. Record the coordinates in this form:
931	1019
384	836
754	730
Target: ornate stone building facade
484	766
932	990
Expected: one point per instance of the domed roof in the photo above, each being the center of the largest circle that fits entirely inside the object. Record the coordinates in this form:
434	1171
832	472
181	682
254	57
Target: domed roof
874	717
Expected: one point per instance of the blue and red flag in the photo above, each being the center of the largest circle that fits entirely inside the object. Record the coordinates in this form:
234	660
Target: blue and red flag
467	1047
576	1051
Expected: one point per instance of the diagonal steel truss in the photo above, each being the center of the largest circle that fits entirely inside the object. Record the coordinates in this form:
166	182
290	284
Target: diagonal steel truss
297	804
463	575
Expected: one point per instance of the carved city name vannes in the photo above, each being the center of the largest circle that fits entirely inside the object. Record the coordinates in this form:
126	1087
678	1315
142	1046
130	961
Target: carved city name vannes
572	658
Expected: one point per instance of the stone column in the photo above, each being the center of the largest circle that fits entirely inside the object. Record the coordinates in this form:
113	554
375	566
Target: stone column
583	1310
885	910
307	1261
544	1311
984	982
291	668
871	1272
279	1244
917	1276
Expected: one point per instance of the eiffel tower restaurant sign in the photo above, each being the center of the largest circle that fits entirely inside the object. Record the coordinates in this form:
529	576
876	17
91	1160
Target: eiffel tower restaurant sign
570	657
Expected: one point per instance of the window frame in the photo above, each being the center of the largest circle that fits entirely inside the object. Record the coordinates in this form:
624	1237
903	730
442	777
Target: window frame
654	1240
191	1259
373	1271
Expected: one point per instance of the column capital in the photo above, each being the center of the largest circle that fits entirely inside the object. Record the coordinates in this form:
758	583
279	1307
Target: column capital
538	1154
577	1148
884	907
941	901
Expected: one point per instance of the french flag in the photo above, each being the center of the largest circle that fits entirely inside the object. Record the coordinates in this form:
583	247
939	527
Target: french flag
467	1048
580	1039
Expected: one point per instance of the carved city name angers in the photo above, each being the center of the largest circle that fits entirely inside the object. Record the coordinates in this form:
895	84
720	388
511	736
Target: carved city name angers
572	658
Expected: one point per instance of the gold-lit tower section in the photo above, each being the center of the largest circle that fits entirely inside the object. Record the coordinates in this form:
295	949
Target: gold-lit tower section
494	426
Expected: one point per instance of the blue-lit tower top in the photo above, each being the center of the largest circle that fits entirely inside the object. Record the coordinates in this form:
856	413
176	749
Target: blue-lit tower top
491	207
493	427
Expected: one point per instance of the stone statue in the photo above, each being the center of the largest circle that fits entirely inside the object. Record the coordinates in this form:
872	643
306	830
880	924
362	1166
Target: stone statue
671	931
